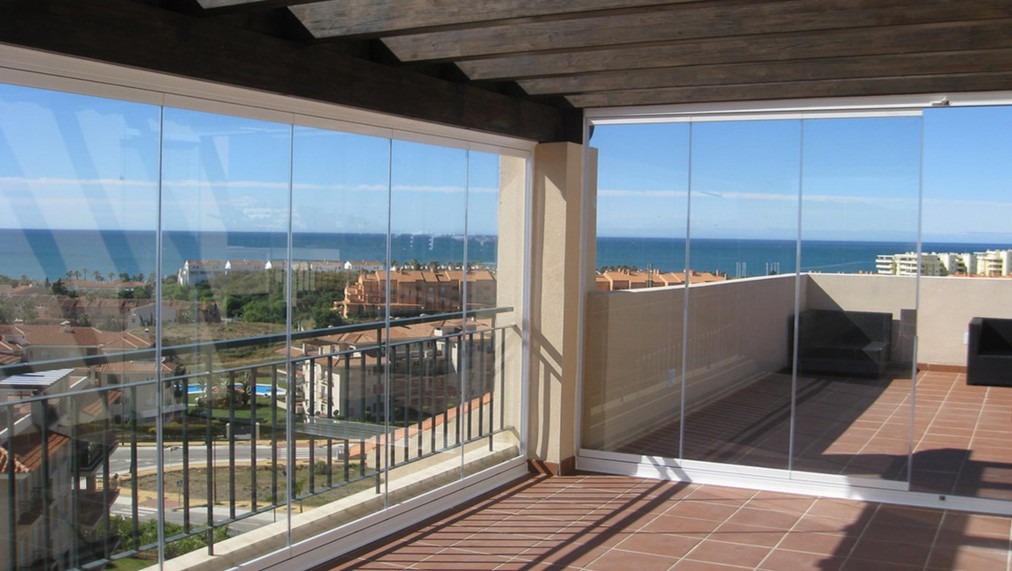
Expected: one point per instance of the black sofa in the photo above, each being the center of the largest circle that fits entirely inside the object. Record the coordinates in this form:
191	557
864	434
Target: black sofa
989	354
843	342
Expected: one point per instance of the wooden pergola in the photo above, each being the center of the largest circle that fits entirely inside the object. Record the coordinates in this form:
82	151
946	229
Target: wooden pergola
527	68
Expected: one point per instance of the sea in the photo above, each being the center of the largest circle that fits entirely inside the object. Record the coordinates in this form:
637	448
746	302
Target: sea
39	254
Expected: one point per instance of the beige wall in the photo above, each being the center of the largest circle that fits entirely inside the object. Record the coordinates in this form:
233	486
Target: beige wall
633	341
738	331
861	292
946	307
869	292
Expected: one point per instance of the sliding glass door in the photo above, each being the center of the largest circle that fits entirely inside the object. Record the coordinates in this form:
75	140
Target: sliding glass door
787	346
855	338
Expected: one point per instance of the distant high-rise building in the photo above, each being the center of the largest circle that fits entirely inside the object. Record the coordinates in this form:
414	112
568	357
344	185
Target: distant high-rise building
992	263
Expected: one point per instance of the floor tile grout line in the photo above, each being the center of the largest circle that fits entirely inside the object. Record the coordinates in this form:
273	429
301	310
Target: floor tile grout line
860	535
632	488
934	540
934	418
973	433
793	527
714	528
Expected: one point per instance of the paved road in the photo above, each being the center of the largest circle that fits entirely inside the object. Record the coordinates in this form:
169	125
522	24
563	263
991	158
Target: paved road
147	460
147	456
198	515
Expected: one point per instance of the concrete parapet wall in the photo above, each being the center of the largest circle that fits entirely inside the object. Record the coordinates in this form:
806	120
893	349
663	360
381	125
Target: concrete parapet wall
633	357
944	308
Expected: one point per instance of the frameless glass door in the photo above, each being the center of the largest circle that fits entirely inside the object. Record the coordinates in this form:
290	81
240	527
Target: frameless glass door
858	304
633	372
963	393
225	211
742	263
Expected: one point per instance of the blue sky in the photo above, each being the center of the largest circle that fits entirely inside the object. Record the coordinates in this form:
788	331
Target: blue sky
70	161
858	178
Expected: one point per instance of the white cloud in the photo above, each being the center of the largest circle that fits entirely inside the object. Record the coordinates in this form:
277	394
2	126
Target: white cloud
736	195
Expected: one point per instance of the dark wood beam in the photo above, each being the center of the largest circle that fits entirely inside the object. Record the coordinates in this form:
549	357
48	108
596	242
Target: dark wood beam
908	65
211	7
344	18
954	36
132	34
688	21
937	84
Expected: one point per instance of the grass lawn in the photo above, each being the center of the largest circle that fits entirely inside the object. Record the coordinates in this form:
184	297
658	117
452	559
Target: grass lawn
244	484
130	564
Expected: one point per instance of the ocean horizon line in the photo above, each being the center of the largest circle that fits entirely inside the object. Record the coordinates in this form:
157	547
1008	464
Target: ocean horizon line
49	253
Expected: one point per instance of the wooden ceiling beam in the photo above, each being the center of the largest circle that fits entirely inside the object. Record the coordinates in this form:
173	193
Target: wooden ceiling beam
978	61
688	21
948	36
225	6
137	35
936	84
375	18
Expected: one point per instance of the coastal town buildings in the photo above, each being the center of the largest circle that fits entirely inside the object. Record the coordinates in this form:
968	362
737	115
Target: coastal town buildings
46	342
339	377
307	275
990	263
51	454
614	280
194	272
994	263
414	291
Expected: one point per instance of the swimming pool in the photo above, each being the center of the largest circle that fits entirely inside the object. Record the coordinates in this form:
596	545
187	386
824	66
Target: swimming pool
261	390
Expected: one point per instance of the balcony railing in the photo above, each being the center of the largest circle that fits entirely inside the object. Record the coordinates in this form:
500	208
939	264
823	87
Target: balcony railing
227	459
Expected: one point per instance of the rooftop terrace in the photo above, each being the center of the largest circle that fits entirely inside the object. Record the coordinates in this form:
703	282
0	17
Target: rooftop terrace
599	523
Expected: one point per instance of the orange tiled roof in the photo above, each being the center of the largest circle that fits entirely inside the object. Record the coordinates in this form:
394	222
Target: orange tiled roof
9	359
28	451
81	336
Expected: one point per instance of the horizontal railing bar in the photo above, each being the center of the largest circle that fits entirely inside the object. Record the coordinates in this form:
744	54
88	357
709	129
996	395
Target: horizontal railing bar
343	429
175	350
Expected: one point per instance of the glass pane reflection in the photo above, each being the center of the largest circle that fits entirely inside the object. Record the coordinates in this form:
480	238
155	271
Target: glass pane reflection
225	195
860	204
276	372
426	361
79	198
743	228
634	404
960	439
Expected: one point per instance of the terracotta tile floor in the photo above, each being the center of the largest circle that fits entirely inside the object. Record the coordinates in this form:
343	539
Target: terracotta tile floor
599	523
859	427
844	426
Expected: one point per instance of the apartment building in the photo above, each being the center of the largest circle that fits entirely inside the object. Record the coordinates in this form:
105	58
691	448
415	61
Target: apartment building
414	291
45	455
992	263
614	280
194	272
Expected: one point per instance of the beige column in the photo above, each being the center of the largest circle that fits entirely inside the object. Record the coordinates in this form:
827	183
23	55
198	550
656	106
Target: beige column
558	241
512	245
